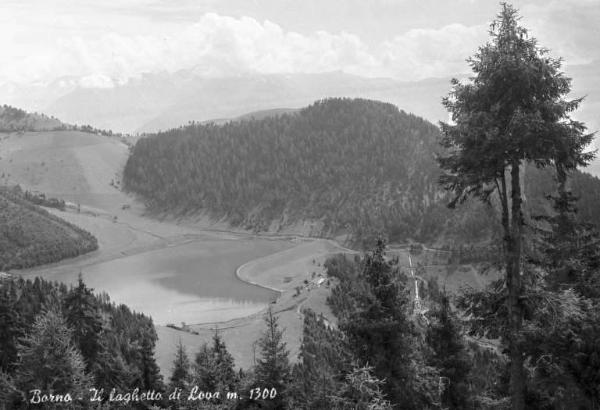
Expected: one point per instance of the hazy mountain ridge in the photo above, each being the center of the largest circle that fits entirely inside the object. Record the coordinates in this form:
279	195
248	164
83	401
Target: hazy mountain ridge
162	101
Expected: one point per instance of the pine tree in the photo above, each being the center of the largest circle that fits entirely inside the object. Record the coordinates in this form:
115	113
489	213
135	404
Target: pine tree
325	359
273	369
181	368
448	354
204	374
214	367
226	377
49	361
10	324
512	112
8	392
361	391
83	316
381	334
150	372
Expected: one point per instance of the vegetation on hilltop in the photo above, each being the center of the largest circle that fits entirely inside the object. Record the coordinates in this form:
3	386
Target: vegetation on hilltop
348	166
17	120
353	166
31	236
14	119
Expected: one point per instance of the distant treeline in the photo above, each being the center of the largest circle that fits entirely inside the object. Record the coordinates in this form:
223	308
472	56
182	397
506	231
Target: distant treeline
17	120
14	119
42	200
30	235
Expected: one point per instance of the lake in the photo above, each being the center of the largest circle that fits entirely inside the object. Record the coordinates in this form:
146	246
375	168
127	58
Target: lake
191	283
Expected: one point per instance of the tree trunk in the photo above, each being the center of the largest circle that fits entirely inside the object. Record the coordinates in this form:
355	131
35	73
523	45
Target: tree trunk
513	282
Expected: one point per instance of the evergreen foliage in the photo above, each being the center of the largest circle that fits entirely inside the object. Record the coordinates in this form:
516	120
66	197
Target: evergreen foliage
344	164
48	325
324	359
214	367
30	236
449	354
273	369
14	119
48	359
181	375
362	391
82	312
11	325
353	167
512	112
381	333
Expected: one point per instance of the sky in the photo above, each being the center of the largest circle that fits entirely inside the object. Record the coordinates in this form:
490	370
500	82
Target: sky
103	43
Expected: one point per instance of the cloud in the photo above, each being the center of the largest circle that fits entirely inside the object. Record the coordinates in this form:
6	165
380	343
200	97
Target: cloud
215	46
109	43
426	53
569	28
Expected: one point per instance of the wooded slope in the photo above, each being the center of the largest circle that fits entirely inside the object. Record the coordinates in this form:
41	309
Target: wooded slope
30	236
350	166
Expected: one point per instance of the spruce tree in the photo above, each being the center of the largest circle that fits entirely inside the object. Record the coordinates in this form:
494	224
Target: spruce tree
381	334
204	374
150	376
83	316
325	359
180	376
512	112
361	391
10	323
273	369
214	367
448	354
49	361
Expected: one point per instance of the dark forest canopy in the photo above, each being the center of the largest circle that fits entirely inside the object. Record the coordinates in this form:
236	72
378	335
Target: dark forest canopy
349	166
68	340
30	235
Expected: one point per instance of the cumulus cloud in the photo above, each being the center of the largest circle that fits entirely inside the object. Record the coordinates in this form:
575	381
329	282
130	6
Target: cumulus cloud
569	28
41	44
217	45
433	52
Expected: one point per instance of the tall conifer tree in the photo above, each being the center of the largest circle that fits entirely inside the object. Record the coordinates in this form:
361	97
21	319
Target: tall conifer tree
273	368
512	112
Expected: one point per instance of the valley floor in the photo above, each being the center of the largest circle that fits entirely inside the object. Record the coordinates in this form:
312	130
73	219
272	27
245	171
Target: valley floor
84	169
126	233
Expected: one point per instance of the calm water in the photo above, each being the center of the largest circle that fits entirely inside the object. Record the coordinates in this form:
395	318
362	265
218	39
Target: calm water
191	283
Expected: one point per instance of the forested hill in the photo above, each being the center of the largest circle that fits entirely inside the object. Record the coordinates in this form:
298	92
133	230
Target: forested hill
348	166
30	235
342	163
14	119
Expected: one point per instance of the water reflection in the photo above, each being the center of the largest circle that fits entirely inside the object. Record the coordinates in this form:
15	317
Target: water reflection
192	283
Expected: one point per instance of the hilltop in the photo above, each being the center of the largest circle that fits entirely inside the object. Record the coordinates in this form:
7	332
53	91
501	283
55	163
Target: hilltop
337	167
14	119
75	166
348	167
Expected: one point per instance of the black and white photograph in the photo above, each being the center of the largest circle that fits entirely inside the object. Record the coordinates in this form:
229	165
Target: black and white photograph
300	204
